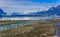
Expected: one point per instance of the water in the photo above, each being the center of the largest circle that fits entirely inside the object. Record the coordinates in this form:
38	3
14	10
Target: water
57	32
9	26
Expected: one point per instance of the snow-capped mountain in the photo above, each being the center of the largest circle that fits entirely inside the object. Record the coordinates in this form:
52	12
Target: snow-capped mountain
50	12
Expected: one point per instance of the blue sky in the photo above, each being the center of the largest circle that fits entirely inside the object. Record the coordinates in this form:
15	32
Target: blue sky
27	6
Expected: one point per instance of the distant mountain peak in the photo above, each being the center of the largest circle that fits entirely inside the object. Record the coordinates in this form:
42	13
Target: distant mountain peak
2	13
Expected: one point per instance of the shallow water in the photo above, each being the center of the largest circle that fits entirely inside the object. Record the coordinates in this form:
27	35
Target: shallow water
9	26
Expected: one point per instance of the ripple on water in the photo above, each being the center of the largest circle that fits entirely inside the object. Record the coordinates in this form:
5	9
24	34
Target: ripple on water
9	26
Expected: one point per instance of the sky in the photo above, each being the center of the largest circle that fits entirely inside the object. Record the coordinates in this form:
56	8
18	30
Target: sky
26	6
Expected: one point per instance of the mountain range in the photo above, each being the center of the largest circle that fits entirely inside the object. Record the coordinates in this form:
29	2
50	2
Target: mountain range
50	12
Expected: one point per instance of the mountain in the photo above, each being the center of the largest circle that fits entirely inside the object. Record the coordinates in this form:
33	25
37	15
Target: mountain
51	11
2	13
15	14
